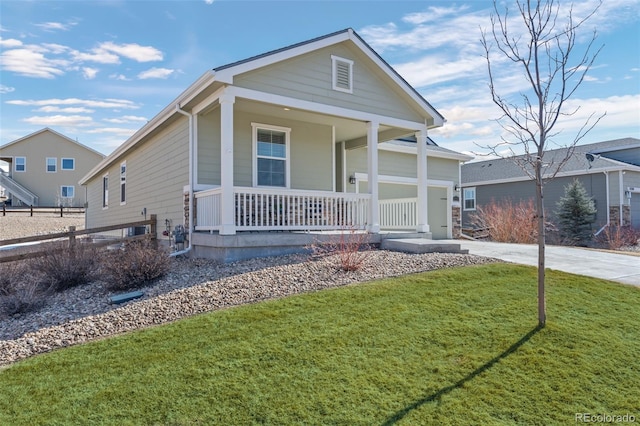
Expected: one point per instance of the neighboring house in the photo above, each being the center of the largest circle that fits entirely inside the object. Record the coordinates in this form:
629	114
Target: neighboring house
609	171
317	136
44	169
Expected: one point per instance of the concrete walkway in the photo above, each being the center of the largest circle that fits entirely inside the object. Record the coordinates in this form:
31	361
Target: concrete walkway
623	268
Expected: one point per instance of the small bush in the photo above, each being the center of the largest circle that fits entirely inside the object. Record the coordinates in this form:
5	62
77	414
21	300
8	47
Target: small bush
64	267
349	250
134	265
19	291
617	237
508	222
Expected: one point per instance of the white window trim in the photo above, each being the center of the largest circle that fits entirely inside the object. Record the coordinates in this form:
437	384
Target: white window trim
55	164
334	74
68	186
105	192
254	153
67	158
123	181
15	165
464	199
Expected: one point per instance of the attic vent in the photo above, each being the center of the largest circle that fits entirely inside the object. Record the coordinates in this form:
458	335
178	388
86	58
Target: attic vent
342	74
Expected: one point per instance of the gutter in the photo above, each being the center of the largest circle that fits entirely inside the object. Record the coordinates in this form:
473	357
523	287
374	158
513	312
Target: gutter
188	249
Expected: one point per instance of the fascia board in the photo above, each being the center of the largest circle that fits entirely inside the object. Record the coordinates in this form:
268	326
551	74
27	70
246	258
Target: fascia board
187	95
561	174
226	75
430	152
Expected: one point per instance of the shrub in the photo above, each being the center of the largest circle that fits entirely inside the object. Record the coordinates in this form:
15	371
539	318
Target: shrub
617	237
576	213
134	265
19	292
64	266
508	222
349	250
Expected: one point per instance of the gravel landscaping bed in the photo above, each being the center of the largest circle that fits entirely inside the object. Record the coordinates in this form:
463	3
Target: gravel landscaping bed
194	286
16	225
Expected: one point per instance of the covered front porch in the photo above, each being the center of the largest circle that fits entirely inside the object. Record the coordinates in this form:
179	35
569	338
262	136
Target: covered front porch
271	209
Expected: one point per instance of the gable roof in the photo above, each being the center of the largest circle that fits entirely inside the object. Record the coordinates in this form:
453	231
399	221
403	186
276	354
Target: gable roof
227	72
47	129
224	75
506	169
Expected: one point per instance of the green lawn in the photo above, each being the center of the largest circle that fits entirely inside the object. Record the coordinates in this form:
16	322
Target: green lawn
454	346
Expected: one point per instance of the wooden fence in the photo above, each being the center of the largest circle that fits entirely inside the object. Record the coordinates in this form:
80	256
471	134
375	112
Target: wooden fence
35	210
71	237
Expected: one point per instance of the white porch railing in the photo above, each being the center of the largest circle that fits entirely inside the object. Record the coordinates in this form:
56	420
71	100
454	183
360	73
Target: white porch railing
399	213
280	209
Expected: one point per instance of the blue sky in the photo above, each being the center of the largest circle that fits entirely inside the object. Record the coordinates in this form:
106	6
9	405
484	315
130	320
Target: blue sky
96	71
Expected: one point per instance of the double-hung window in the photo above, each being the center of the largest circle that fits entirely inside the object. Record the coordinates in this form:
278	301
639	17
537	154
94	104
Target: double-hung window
20	164
271	158
67	191
51	164
123	182
469	198
68	164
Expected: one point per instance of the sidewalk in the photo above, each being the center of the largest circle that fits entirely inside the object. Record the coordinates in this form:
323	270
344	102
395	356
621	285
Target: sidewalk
621	268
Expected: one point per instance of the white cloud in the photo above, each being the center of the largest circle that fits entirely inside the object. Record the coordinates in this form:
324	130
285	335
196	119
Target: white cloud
6	89
59	120
69	110
155	73
208	1
113	130
126	119
433	13
97	55
31	63
133	51
9	43
54	26
119	77
106	103
89	73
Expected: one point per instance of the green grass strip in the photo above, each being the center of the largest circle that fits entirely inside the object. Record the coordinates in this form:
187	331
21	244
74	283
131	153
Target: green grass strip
454	346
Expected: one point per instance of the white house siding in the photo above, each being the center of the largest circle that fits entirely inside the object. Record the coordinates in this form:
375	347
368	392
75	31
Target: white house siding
309	77
157	171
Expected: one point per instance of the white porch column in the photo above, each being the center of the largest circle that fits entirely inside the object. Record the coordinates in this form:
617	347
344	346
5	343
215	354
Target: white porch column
423	217
227	220
373	220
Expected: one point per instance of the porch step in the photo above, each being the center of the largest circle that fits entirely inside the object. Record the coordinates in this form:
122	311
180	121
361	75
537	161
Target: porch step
421	245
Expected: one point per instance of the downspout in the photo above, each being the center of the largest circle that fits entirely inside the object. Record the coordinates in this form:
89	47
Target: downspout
606	181
188	249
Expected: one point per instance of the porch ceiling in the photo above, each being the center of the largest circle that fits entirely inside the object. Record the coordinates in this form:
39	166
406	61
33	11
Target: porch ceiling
353	132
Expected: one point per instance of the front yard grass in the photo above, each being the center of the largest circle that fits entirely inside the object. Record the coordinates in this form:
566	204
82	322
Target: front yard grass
453	346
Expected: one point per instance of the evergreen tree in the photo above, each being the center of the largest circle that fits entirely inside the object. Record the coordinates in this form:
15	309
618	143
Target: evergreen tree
576	212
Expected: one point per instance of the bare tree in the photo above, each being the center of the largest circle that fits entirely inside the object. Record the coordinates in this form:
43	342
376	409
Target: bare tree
541	44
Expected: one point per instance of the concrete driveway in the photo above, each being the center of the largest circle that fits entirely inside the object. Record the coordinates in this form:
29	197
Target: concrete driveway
623	268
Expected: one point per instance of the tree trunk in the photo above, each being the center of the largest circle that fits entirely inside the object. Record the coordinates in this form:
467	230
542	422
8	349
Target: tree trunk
542	308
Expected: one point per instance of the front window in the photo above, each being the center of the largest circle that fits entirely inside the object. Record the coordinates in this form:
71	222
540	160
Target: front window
68	164
271	147
469	198
67	191
21	164
51	165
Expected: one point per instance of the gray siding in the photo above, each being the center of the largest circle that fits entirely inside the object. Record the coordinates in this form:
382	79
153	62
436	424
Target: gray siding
157	171
553	191
309	77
